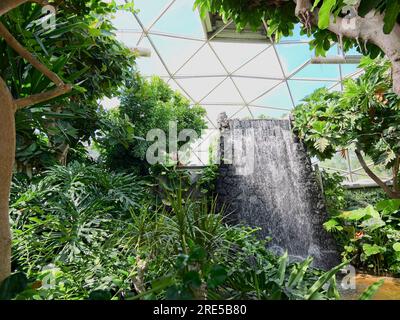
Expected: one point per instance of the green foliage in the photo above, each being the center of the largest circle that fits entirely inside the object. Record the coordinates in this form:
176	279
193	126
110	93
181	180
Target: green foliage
280	18
370	236
334	192
82	50
75	219
81	232
358	198
365	115
207	181
204	258
146	104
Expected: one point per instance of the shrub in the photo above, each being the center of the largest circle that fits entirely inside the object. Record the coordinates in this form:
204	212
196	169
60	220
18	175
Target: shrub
74	219
146	105
370	236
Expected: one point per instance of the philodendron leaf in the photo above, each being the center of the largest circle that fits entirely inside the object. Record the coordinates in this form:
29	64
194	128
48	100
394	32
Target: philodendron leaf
353	215
388	206
373	224
370	250
325	13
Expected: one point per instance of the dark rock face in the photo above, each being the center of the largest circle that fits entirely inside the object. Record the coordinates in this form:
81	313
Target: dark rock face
273	187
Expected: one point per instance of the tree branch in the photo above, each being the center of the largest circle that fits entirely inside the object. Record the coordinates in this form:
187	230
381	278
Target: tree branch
370	29
8	5
374	177
303	12
366	29
41	97
24	53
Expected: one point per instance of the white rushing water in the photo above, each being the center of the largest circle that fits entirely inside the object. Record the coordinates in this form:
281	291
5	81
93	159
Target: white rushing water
270	184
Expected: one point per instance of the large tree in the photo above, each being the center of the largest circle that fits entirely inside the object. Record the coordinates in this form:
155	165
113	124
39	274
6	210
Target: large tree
366	115
40	64
8	107
372	26
145	105
81	50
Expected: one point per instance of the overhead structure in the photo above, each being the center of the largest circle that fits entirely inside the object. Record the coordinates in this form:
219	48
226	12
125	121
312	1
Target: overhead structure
217	29
245	74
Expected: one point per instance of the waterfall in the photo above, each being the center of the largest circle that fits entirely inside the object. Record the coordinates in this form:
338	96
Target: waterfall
266	180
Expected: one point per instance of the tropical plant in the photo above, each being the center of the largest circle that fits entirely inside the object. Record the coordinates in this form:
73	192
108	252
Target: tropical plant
370	236
334	192
365	115
194	254
365	24
81	232
34	81
81	49
360	198
146	104
74	219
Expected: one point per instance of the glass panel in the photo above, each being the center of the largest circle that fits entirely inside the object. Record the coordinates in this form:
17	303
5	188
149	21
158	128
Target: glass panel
348	69
130	39
319	71
252	88
301	89
264	65
175	52
152	65
176	87
243	114
213	111
204	150
278	98
125	20
204	63
293	56
180	19
198	88
234	54
337	162
150	10
226	92
264	113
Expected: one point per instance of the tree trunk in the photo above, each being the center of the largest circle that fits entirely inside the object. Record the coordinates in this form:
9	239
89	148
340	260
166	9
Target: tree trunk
7	155
8	106
391	193
370	29
363	29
